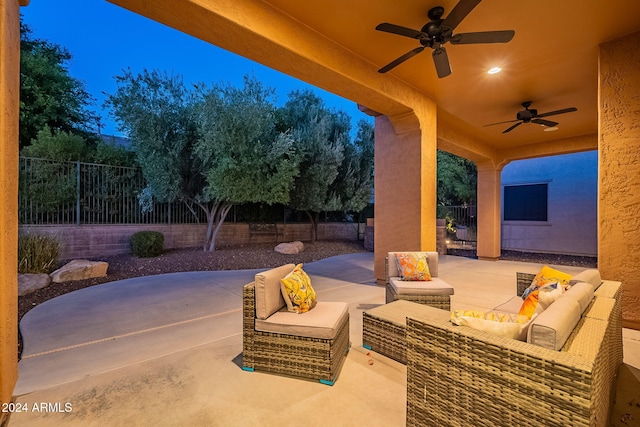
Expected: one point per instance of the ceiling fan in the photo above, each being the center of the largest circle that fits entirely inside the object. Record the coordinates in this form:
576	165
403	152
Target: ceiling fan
531	116
438	31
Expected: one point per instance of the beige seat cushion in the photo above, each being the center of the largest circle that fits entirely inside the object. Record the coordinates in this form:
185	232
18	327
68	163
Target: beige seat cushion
321	322
268	294
511	306
551	328
436	286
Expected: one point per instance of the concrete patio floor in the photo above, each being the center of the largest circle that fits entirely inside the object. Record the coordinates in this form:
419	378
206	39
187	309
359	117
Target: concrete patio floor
167	350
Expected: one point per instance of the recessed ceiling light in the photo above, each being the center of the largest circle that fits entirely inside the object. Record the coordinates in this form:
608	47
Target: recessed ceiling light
550	129
494	70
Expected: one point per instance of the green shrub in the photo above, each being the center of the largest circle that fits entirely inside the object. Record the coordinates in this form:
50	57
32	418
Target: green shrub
146	244
37	253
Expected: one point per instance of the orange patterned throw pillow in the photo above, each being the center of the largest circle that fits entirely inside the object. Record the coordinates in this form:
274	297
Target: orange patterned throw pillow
546	287
413	266
297	291
531	305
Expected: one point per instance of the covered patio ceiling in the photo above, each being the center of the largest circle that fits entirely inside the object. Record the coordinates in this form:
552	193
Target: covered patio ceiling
551	61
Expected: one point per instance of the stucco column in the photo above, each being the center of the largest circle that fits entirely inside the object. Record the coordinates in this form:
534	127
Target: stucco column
9	116
619	168
489	211
405	185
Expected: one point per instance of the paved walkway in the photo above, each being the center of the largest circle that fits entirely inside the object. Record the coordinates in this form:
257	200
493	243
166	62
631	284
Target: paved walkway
166	350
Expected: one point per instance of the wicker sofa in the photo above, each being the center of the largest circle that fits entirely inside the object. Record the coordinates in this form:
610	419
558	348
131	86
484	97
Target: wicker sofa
459	376
311	345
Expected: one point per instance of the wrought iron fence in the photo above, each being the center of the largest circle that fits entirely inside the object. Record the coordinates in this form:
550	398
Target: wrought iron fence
459	215
53	192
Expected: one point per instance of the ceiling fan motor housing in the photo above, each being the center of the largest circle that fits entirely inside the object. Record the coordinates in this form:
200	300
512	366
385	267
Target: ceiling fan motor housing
527	115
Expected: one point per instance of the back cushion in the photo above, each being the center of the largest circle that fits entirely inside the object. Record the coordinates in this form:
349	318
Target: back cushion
590	276
552	327
268	294
581	292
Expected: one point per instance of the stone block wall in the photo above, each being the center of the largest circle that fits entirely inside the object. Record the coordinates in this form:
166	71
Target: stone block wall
88	241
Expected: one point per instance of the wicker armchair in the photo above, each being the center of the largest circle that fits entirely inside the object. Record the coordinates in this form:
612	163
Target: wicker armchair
435	293
293	353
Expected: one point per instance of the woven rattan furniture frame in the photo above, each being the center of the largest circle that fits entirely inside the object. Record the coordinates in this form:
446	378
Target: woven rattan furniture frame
298	356
384	328
458	376
442	302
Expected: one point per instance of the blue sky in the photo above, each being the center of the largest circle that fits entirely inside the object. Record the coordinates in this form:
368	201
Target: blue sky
105	39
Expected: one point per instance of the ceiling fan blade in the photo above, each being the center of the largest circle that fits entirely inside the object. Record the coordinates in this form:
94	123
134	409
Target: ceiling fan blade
512	127
401	59
501	123
401	31
483	37
462	9
553	113
440	58
548	123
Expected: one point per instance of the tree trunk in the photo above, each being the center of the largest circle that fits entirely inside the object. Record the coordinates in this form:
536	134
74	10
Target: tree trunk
221	214
314	217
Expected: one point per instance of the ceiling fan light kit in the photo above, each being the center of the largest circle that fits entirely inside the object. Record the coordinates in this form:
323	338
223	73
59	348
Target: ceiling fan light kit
437	32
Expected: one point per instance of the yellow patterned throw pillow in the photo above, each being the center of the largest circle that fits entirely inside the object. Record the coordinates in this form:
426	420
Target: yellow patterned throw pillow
297	291
413	266
548	275
512	326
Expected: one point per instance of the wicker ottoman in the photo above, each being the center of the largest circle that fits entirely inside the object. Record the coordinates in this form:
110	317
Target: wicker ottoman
384	327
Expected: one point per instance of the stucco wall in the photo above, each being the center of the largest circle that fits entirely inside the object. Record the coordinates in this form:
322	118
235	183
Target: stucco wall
619	147
572	225
95	240
9	103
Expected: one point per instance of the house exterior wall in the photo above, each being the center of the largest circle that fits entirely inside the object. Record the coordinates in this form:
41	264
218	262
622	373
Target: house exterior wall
572	225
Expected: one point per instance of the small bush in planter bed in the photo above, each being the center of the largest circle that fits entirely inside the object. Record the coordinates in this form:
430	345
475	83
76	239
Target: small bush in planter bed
147	244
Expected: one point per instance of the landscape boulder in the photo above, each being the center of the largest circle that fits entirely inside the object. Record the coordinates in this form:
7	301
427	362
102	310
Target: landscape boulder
79	269
290	248
30	282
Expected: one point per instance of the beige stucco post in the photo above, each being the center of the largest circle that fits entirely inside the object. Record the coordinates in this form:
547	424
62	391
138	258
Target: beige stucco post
489	210
405	183
619	169
9	110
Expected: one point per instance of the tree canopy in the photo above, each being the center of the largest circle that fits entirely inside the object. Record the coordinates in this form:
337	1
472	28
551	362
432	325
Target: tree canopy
213	147
49	96
457	180
335	173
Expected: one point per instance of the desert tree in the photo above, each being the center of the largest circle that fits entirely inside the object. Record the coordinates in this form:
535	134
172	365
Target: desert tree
354	183
321	135
206	147
248	159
